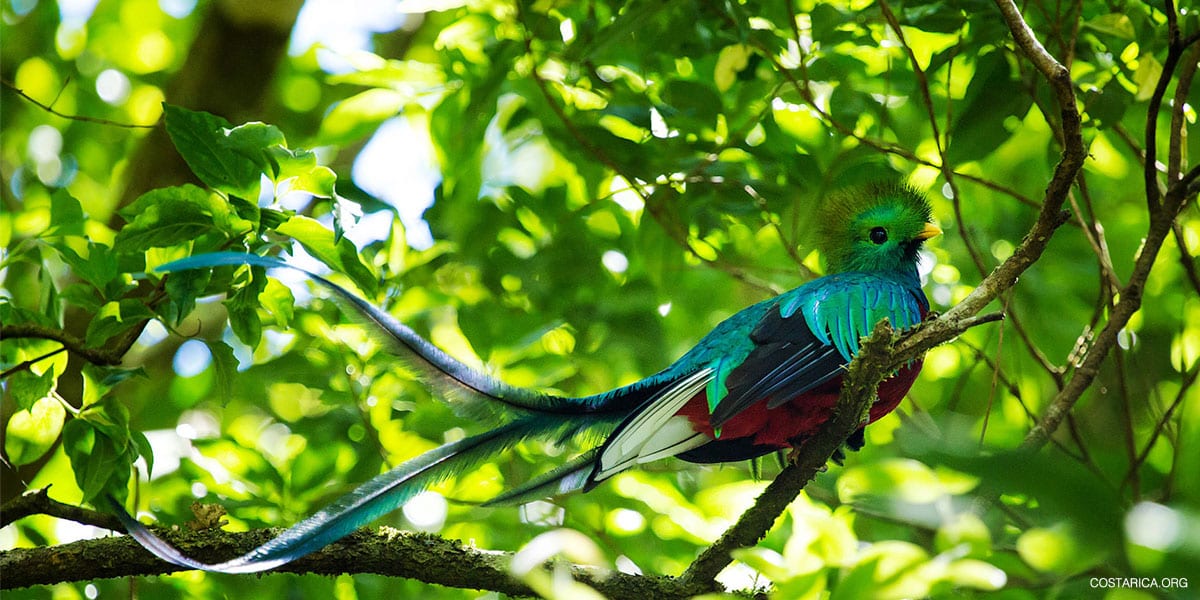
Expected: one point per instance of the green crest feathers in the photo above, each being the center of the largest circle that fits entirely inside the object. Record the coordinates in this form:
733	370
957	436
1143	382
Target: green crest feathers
875	227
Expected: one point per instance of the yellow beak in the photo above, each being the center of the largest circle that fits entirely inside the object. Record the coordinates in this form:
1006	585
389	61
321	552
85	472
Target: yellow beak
930	230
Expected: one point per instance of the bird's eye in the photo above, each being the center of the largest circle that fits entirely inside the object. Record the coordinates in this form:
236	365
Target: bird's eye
878	235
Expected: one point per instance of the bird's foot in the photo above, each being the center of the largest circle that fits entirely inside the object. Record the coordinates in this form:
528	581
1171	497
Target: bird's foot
794	454
799	447
853	443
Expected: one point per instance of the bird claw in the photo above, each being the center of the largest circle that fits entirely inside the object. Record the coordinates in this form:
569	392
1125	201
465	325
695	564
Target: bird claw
853	443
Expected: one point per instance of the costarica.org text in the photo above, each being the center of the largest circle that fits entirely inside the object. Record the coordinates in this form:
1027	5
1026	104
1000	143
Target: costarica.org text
1139	582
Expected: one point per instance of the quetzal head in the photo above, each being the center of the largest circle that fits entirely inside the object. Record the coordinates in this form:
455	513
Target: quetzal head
877	227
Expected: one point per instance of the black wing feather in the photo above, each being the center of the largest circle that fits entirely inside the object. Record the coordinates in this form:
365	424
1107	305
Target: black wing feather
788	360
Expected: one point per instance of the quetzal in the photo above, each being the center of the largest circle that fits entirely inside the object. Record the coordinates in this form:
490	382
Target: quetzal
762	380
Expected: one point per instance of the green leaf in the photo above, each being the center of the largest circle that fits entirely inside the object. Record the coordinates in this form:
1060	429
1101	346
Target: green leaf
1057	549
730	62
110	417
100	267
277	299
27	388
272	219
252	140
409	76
295	169
94	457
225	365
1115	24
341	256
66	215
201	139
31	432
246	210
183	288
979	126
111	376
114	318
243	308
144	450
1146	77
360	115
49	302
176	215
976	574
298	171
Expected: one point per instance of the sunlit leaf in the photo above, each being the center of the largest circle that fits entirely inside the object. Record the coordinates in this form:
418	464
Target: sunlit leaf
1055	550
27	388
1114	24
31	432
359	115
243	308
99	268
341	255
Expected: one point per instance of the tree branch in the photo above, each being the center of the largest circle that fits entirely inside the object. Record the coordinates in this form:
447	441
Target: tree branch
74	345
867	369
879	356
1162	215
384	551
1051	216
38	502
432	559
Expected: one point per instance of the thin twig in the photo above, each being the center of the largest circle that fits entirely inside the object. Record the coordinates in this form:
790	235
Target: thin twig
1189	379
1174	52
26	364
99	356
50	109
1182	89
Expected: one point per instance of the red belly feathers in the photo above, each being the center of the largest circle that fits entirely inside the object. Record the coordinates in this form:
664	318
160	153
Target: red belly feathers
802	416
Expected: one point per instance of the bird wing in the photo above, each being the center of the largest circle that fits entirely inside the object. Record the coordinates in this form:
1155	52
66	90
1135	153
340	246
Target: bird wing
808	337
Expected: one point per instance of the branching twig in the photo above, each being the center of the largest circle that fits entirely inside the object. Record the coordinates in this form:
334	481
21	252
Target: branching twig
50	109
38	502
1189	380
1163	211
1051	216
74	345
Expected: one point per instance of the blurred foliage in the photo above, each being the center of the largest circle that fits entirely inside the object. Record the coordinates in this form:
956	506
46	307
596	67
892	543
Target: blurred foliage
613	180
